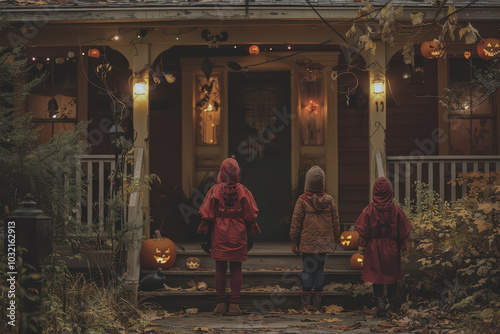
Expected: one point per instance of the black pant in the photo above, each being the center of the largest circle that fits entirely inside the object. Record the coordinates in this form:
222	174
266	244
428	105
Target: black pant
313	272
392	290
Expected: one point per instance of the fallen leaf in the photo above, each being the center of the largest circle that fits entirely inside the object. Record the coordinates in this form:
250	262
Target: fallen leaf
192	311
333	309
482	225
332	320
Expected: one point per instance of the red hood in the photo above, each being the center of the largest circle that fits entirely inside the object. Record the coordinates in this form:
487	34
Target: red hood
229	173
382	194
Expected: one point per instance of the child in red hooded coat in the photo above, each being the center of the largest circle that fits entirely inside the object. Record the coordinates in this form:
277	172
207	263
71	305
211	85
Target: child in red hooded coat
384	232
229	214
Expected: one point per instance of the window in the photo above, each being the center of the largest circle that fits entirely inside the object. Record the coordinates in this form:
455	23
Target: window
208	97
312	110
53	102
473	125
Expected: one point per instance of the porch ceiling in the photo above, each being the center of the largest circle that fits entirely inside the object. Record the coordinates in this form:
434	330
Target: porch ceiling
161	10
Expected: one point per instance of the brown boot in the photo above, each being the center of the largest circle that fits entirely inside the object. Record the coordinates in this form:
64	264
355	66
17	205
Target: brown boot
234	309
220	309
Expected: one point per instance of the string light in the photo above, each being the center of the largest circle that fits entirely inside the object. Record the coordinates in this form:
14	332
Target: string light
48	58
33	58
115	37
177	38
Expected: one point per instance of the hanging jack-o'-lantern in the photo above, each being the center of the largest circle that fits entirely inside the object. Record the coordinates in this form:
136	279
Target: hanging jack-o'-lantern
432	49
192	263
254	50
467	54
357	261
158	253
94	53
349	240
488	48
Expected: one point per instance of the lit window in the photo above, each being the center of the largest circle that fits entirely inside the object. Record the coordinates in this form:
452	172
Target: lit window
312	111
208	109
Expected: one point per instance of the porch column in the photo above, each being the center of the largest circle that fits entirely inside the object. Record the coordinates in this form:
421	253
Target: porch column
141	133
377	110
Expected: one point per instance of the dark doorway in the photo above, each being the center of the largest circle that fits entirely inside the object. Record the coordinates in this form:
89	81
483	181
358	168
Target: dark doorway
259	137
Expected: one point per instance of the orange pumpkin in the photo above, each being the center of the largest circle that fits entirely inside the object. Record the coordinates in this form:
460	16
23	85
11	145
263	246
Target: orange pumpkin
349	240
192	263
94	53
488	48
357	261
158	253
253	50
432	49
467	54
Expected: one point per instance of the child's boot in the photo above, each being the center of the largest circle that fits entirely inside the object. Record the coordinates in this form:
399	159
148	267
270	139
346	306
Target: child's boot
381	308
305	299
234	309
316	300
220	309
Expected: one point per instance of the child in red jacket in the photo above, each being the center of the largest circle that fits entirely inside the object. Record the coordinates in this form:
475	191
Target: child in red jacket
384	232
229	214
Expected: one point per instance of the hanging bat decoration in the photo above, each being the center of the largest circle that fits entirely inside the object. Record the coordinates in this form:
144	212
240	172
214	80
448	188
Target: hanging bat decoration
214	40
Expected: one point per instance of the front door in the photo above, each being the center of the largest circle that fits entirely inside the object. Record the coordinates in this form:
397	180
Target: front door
259	138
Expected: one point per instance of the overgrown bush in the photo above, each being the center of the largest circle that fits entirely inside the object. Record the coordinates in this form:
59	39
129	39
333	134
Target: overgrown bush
457	249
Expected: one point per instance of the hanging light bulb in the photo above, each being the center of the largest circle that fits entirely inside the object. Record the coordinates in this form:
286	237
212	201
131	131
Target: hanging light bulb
115	37
407	72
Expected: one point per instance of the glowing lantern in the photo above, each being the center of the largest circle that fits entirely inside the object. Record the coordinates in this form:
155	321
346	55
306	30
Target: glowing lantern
140	88
378	86
253	50
192	263
488	48
94	53
432	49
349	240
357	261
158	253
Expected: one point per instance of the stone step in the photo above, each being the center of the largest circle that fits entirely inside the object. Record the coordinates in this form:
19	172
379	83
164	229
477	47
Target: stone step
283	278
252	301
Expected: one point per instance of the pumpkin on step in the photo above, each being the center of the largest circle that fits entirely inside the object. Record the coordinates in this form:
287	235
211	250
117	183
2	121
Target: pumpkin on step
349	240
192	263
357	261
158	253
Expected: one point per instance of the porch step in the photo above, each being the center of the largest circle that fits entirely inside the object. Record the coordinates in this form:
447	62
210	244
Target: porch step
283	278
251	301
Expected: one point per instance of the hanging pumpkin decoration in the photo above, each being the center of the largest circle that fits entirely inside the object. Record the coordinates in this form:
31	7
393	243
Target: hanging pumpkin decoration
94	53
254	50
192	263
349	240
357	261
467	54
488	48
432	49
158	253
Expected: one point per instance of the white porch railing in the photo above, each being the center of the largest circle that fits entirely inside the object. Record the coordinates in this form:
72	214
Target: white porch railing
95	171
436	171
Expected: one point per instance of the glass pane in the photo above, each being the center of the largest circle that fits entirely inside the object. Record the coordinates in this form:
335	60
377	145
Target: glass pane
460	139
56	96
482	102
208	97
312	111
483	136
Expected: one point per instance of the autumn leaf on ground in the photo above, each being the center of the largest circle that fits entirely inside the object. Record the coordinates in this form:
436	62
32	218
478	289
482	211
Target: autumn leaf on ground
192	311
203	329
417	18
482	225
346	327
310	320
333	309
332	320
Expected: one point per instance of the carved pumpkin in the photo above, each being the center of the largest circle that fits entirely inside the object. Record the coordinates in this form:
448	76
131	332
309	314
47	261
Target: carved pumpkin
467	54
253	50
432	49
349	240
94	53
357	261
192	263
158	253
488	48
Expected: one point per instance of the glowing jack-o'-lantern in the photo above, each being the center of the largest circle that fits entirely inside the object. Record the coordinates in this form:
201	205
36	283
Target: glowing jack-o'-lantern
192	263
488	48
349	240
158	253
94	53
432	49
357	261
254	50
467	54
